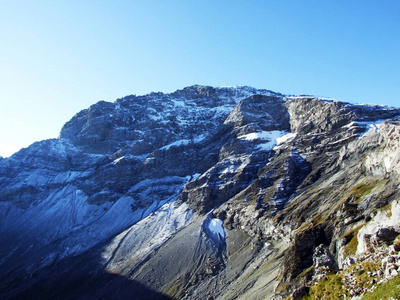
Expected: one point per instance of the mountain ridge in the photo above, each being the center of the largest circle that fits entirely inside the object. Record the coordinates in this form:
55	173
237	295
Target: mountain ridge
138	181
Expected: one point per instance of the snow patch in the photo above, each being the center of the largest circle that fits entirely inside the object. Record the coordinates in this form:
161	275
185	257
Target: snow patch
263	135
370	127
216	227
350	125
373	127
285	138
199	138
176	144
195	176
270	136
229	170
116	161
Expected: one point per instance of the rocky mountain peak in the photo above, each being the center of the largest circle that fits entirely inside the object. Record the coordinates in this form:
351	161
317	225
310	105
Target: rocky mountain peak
185	114
228	192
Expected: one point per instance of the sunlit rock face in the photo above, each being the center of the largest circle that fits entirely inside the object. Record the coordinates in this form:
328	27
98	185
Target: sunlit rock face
202	193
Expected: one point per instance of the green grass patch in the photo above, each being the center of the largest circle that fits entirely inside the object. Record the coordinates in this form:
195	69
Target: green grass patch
363	189
351	247
387	290
363	273
330	287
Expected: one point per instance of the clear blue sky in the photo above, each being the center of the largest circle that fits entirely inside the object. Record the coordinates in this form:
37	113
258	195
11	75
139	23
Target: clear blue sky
58	57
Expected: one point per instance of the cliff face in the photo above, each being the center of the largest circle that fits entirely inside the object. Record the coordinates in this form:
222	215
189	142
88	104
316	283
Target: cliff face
206	192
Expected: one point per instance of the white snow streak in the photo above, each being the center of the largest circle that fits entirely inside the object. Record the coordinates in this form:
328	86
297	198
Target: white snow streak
285	138
176	144
271	138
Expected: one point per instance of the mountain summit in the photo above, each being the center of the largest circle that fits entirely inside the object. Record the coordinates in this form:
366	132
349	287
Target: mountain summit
204	193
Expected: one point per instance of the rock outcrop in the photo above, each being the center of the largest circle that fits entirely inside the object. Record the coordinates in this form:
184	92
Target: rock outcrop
122	202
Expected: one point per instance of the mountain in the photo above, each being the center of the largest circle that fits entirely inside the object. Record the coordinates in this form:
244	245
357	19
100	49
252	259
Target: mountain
204	193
